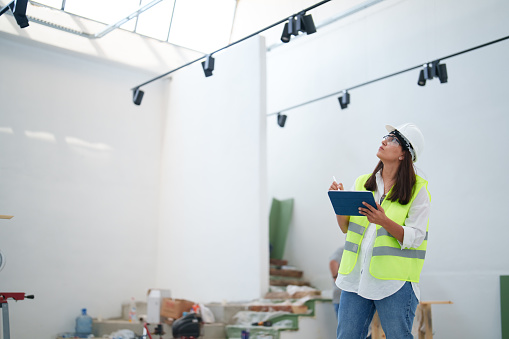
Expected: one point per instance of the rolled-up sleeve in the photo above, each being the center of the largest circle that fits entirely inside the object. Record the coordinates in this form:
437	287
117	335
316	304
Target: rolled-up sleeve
417	220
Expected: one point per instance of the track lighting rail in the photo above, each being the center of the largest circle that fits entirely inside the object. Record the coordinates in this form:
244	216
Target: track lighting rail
428	64
227	46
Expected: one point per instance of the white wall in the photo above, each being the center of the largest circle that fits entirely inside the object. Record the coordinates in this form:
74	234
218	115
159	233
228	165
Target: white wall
84	173
464	121
79	170
214	217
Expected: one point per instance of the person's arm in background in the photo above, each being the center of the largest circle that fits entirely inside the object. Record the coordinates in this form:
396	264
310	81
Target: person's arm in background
334	268
343	220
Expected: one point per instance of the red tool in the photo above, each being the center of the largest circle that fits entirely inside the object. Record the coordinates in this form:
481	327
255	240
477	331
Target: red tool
157	330
4	296
14	295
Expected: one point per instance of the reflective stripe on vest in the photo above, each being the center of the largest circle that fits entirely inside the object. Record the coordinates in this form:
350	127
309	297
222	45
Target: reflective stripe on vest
350	246
356	228
382	231
406	253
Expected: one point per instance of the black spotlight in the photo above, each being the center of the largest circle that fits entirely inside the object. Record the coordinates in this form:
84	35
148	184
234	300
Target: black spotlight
281	120
19	9
137	96
426	73
208	65
289	30
432	70
442	73
305	23
344	100
285	36
422	80
299	23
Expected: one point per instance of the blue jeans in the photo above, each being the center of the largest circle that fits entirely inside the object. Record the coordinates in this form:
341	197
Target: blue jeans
396	314
336	308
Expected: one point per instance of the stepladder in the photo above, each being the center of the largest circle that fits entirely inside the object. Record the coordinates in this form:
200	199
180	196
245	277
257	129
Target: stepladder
423	322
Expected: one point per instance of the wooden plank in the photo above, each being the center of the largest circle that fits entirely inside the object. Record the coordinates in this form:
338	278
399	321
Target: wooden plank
286	282
428	322
376	328
286	273
271	308
278	262
435	302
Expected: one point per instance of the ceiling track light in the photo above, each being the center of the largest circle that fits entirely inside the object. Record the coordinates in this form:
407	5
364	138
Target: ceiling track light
137	96
285	36
442	73
298	23
344	100
19	9
208	65
422	80
281	119
432	70
305	23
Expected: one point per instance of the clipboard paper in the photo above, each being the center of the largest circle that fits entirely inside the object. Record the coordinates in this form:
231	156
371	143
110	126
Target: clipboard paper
348	202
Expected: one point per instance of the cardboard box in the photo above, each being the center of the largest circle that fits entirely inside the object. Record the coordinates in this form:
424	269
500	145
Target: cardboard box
299	309
173	308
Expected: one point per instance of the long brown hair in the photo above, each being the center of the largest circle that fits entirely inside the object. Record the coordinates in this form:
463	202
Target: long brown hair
405	180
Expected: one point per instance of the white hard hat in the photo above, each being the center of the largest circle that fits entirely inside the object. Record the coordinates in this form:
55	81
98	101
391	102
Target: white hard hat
413	135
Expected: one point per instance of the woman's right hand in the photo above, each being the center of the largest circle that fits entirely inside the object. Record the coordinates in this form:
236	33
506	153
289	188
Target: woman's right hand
343	220
336	186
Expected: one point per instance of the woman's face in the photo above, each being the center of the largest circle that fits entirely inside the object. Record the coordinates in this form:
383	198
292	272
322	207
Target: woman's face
390	150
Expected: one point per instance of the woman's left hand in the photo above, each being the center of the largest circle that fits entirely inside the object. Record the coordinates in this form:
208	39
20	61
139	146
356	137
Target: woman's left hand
376	216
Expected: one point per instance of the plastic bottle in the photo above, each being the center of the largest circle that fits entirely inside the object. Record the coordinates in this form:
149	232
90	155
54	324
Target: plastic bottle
132	311
83	324
244	334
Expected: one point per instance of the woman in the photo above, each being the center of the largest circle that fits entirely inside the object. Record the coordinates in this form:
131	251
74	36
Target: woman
385	247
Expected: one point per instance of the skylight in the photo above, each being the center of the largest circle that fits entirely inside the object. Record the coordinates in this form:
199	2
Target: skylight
201	25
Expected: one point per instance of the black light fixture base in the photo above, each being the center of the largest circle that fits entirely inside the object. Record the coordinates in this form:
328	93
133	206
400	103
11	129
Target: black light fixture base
344	100
137	96
281	119
208	65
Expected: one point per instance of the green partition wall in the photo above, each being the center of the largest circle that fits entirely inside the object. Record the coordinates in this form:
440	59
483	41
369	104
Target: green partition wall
504	305
279	221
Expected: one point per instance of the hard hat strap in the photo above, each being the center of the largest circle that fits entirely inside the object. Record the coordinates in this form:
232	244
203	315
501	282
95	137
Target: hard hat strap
405	144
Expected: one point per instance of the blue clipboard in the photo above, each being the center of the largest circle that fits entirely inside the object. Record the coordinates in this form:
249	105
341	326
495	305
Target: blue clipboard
348	202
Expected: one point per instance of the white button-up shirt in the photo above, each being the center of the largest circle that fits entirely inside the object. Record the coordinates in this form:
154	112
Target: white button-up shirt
360	281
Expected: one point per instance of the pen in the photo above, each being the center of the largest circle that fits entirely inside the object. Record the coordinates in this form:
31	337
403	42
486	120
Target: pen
334	178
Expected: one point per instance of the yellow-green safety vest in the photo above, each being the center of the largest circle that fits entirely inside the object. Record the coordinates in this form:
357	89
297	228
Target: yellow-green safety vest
388	261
